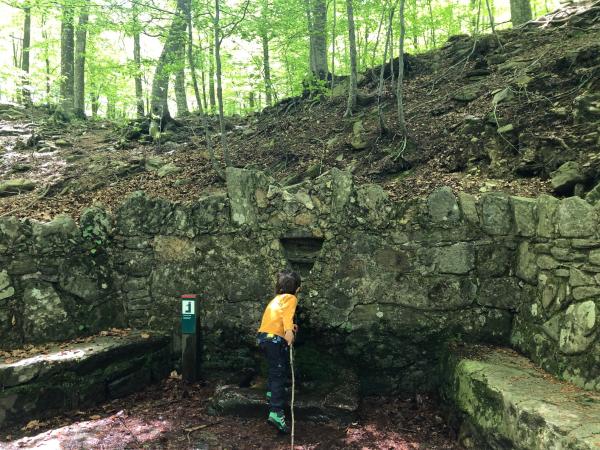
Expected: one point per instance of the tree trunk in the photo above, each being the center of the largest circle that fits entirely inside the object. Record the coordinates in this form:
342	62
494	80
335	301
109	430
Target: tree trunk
333	36
180	94
137	61
220	82
432	23
520	12
352	88
401	119
25	82
204	98
67	56
267	70
45	37
190	54
388	38
159	106
319	16
211	78
94	104
79	82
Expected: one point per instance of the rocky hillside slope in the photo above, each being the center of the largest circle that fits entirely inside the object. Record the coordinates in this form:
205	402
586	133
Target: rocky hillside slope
518	111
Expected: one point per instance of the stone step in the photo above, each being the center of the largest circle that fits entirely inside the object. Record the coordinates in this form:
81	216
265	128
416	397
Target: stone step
505	402
326	403
83	374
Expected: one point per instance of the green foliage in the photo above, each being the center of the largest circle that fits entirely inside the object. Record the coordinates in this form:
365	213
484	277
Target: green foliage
245	27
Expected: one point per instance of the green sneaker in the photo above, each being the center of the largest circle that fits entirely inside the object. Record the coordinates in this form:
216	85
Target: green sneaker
277	419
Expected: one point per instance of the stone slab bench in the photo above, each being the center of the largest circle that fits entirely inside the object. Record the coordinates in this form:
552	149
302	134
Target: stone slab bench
328	402
79	375
506	402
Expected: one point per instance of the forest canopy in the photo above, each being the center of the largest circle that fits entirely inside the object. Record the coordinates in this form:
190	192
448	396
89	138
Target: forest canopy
122	58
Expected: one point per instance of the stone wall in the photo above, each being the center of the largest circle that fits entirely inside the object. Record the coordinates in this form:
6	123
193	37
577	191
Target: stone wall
56	279
387	284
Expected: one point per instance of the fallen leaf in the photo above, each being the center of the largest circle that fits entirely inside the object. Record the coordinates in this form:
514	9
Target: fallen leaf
95	417
145	336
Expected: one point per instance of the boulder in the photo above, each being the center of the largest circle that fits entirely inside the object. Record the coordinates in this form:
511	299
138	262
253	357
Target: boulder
578	329
467	93
566	177
593	196
496	215
458	259
575	218
44	314
168	169
587	107
6	290
358	140
524	210
16	186
442	206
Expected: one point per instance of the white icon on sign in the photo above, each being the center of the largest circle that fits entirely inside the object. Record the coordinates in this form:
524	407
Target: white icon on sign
188	307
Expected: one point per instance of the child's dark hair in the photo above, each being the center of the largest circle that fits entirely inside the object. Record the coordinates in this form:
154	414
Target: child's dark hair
288	282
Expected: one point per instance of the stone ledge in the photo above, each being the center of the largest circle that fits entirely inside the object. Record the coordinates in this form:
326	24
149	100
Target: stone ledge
506	402
80	375
339	402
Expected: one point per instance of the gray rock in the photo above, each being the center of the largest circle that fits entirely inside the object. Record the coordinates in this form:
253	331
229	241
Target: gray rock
6	290
242	187
341	189
587	107
593	196
45	317
456	259
524	210
512	404
595	257
578	278
546	212
527	268
566	177
16	186
496	215
168	169
575	218
358	140
468	206
442	206
577	332
467	93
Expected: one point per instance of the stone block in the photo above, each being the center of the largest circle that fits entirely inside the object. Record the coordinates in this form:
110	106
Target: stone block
585	292
595	257
45	317
546	211
468	206
503	293
496	215
578	278
578	329
527	269
242	185
575	218
509	403
458	259
442	206
525	217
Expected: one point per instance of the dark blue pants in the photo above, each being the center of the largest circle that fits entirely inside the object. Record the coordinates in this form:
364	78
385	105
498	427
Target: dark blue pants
278	357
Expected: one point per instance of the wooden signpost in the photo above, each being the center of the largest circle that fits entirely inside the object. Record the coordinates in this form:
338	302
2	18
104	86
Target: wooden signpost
189	338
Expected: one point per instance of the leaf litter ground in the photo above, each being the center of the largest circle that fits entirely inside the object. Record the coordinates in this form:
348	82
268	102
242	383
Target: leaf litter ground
174	415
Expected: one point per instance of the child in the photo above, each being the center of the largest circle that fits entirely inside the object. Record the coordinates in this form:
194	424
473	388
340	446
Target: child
275	335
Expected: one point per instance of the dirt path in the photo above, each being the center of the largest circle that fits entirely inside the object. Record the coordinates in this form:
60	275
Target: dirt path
174	416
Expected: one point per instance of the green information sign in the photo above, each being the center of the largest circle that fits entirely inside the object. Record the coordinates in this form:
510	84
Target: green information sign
188	315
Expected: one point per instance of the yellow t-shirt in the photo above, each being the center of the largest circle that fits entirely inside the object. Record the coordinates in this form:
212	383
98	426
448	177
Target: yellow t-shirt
279	315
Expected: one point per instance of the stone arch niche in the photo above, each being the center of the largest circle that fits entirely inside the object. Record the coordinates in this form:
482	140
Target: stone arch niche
301	252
